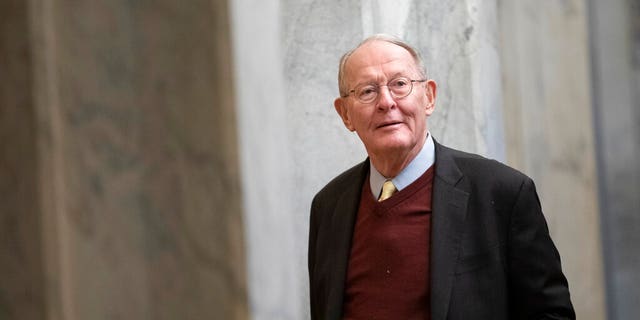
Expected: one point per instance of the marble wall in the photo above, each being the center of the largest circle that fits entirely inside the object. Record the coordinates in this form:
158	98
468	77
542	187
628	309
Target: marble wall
158	158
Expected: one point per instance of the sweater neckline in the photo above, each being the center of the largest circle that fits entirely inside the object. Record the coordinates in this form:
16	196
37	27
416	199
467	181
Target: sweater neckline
400	196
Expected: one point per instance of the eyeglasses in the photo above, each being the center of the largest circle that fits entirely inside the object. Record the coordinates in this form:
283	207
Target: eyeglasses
398	87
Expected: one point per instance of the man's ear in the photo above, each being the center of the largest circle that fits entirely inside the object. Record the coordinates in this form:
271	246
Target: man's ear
341	108
430	92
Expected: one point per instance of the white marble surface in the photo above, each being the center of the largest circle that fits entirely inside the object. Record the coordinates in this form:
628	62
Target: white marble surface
267	162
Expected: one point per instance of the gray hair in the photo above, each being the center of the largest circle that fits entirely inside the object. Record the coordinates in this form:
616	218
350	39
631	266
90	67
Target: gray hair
342	84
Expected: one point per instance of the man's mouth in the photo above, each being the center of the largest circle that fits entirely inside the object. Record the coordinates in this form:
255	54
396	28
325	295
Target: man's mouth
389	124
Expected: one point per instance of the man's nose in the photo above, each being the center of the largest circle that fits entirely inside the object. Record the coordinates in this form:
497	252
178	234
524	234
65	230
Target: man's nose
385	99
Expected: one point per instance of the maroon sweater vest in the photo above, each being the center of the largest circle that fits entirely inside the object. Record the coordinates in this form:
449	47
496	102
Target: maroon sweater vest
388	272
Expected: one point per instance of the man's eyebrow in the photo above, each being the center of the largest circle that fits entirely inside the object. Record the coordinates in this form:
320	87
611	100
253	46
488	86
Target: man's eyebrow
373	79
367	80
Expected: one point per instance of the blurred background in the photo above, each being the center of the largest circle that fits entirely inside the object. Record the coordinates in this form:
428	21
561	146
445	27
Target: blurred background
158	158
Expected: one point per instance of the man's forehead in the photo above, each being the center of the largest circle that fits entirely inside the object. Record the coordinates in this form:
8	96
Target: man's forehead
376	54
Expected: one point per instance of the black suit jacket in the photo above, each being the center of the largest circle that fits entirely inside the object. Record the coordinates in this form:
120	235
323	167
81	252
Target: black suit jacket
491	254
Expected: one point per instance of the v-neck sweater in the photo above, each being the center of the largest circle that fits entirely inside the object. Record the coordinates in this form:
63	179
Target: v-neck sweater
388	270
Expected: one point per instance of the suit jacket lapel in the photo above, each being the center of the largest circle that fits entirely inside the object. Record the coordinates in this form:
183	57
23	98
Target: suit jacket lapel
448	215
342	225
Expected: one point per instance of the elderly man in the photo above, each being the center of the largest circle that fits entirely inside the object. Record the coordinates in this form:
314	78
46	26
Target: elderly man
419	230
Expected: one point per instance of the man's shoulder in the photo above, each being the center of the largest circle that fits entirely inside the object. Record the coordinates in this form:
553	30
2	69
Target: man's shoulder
477	167
353	175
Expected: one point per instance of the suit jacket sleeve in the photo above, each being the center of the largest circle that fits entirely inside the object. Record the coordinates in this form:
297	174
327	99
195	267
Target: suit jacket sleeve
313	230
538	288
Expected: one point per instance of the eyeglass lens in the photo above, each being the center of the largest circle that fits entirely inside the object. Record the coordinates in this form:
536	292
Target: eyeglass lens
399	88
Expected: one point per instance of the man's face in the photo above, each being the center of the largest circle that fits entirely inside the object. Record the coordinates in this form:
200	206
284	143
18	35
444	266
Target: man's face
387	126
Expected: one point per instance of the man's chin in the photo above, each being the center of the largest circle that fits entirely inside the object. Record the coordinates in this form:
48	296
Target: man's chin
393	145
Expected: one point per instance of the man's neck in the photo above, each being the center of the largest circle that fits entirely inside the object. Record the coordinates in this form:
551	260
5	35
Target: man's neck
412	171
390	166
390	163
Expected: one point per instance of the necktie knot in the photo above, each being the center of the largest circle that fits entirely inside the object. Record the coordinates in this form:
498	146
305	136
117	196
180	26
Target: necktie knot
387	190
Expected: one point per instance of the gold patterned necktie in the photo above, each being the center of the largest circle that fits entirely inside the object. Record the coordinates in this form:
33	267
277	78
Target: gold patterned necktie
387	190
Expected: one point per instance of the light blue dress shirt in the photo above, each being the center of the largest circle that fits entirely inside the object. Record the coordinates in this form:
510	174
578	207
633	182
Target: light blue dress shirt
419	165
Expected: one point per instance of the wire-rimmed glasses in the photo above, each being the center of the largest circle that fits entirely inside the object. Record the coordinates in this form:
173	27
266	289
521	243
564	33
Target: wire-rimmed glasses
398	87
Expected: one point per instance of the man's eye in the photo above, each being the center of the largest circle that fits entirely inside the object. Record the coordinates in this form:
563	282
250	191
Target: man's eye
367	91
399	83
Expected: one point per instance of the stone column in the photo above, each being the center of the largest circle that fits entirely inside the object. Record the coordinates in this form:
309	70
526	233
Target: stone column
550	133
124	162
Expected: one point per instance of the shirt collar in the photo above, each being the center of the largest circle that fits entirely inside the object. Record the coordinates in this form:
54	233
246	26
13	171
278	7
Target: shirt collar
419	165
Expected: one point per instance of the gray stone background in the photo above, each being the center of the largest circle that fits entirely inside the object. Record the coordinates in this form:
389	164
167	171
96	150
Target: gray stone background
158	158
